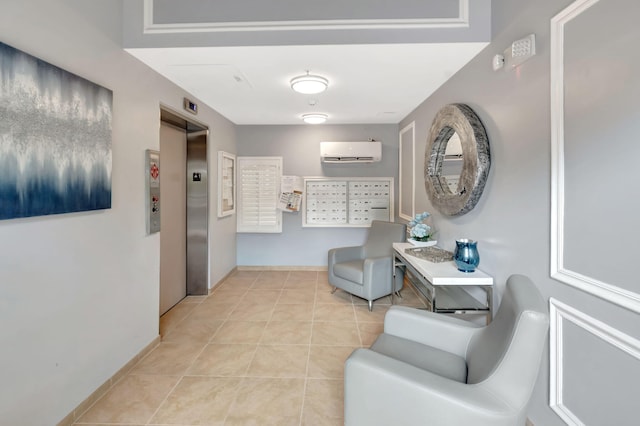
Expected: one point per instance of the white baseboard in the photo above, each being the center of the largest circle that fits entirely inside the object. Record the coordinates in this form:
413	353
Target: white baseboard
221	280
282	268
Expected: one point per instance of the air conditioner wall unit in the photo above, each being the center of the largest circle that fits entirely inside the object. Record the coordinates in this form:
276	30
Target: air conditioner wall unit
351	152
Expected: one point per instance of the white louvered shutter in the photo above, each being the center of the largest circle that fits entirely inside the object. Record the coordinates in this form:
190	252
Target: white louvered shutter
258	191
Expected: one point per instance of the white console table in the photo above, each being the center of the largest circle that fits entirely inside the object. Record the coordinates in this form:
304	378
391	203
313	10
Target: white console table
442	284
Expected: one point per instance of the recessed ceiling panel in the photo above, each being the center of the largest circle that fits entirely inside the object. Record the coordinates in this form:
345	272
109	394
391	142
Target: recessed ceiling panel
238	11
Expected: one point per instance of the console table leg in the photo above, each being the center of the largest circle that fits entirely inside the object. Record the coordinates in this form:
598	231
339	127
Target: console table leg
489	291
395	288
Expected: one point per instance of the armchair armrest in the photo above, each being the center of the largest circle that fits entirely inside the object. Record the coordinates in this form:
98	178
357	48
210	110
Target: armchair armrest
345	254
435	330
375	266
377	271
384	391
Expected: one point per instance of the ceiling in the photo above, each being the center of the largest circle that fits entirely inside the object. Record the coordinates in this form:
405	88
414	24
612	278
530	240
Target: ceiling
367	83
381	59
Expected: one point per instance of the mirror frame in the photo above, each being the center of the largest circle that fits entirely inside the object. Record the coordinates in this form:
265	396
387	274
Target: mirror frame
460	119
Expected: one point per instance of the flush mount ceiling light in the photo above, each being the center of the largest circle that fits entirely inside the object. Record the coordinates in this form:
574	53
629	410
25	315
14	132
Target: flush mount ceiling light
309	84
314	118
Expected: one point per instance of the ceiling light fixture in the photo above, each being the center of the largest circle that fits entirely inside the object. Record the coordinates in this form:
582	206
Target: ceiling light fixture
309	84
314	118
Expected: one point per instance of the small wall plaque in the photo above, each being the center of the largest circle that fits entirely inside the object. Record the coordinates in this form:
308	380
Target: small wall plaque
191	106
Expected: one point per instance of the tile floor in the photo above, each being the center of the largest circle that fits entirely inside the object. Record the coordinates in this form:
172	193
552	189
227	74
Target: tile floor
265	348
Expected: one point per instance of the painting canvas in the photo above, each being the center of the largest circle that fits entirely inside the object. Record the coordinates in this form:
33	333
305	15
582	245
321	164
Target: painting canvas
55	139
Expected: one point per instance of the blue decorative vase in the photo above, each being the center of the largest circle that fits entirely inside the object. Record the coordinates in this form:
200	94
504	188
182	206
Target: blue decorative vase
466	255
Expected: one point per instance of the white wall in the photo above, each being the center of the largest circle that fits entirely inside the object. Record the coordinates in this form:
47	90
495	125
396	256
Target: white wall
222	231
512	219
300	148
79	292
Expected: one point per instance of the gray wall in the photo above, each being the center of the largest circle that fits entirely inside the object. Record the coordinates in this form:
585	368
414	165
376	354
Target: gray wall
79	292
299	146
327	12
512	220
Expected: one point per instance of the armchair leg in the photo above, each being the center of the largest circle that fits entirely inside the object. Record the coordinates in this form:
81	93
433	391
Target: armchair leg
370	305
334	290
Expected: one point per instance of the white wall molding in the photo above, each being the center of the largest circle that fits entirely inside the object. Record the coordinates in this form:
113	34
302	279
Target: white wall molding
402	185
559	312
149	27
603	290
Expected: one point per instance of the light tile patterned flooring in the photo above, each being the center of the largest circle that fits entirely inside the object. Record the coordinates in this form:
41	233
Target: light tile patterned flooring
265	348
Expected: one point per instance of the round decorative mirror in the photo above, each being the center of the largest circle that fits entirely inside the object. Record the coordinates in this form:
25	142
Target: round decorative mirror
457	160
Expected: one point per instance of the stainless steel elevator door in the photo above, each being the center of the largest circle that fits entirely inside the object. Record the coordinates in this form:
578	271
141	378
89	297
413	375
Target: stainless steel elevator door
197	214
173	218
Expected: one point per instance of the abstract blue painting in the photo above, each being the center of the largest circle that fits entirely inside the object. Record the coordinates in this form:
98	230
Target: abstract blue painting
55	139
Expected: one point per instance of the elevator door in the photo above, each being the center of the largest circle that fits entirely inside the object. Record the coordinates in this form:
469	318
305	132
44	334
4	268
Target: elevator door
197	214
173	220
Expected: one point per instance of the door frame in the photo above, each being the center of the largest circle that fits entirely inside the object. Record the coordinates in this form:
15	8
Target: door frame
191	126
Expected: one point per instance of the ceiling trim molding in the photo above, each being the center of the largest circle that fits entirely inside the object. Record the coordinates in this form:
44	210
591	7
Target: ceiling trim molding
149	27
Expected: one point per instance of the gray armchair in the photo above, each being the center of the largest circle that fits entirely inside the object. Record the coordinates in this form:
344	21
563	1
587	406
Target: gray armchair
432	369
366	271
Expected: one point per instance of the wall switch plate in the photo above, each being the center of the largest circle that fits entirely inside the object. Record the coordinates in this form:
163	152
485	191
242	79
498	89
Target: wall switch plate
520	51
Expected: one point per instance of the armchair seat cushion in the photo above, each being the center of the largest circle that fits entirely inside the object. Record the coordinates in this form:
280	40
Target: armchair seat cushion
352	270
422	356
